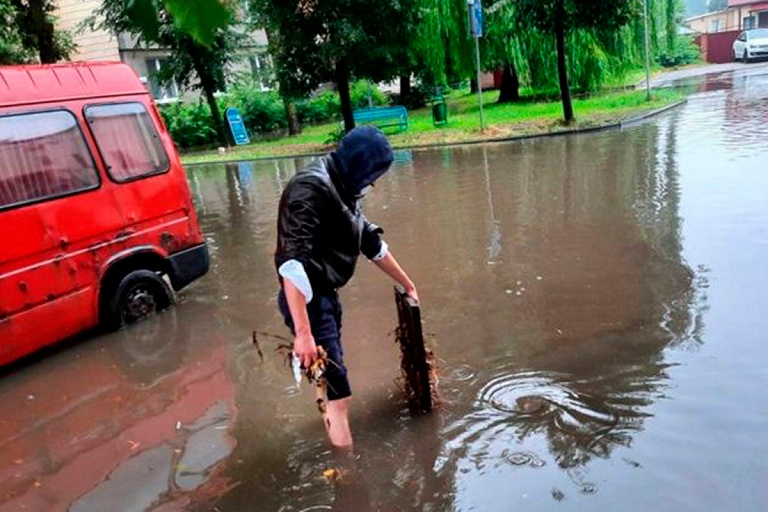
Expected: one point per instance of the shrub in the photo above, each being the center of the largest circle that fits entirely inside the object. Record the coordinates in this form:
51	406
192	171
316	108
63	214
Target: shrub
263	112
364	94
420	95
685	52
190	124
319	108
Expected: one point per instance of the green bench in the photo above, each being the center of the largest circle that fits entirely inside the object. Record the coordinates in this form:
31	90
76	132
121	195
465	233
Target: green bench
383	117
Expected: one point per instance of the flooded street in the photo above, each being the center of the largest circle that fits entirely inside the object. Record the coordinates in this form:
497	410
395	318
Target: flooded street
597	302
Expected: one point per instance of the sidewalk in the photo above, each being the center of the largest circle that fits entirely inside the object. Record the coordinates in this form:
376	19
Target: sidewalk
669	78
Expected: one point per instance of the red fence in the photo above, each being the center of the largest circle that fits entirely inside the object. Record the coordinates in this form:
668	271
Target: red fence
717	48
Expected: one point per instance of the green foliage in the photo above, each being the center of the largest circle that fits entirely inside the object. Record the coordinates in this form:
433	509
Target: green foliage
263	112
190	125
685	52
420	96
335	135
308	42
200	19
29	29
365	93
12	49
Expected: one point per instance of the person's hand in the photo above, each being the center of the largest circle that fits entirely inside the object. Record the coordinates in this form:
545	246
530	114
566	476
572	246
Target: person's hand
410	290
305	349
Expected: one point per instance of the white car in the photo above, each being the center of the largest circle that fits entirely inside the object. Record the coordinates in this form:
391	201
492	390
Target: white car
751	44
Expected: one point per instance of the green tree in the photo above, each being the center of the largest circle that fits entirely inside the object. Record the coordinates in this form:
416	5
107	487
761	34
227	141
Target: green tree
334	40
12	49
191	64
200	19
34	23
562	17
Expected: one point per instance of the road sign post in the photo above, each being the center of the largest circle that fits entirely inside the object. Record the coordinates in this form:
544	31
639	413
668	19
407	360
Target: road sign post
475	13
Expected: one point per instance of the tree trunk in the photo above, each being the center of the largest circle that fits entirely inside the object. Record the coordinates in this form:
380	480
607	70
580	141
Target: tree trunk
39	31
208	84
405	89
221	130
342	85
510	84
294	127
562	69
473	88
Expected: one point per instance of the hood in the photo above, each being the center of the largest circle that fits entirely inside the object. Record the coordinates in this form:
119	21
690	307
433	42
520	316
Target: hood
362	157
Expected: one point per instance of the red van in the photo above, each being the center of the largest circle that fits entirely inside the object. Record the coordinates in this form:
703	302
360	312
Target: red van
96	216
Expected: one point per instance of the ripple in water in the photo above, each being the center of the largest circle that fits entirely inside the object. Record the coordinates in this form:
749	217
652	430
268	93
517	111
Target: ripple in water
461	373
533	394
520	459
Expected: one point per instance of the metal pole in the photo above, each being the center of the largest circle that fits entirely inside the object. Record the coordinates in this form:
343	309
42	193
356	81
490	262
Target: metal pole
479	83
647	53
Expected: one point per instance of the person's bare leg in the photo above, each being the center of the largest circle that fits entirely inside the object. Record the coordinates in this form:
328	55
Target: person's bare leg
336	420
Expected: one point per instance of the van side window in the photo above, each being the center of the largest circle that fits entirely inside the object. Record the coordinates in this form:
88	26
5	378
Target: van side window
128	140
43	155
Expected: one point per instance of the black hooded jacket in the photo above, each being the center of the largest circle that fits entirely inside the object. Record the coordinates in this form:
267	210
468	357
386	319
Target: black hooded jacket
320	223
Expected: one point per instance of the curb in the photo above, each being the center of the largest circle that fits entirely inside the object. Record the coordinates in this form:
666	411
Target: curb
634	121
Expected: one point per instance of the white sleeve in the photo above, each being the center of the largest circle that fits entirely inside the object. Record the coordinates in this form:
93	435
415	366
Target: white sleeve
293	271
382	253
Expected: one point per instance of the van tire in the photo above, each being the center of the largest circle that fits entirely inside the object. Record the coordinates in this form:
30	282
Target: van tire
139	295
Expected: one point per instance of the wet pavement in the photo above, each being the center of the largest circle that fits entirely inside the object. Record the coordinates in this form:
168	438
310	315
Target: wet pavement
597	303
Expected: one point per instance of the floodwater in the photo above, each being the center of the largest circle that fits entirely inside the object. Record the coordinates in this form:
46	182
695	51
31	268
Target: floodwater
597	303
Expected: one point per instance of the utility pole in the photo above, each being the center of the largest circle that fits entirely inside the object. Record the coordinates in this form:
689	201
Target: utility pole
475	10
647	53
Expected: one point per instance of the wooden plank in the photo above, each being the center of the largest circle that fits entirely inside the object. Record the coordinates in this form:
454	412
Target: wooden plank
416	361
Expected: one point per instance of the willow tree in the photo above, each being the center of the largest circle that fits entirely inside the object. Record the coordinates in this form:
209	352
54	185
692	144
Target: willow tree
440	49
561	17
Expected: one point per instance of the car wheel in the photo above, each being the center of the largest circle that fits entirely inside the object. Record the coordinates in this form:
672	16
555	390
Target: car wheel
139	295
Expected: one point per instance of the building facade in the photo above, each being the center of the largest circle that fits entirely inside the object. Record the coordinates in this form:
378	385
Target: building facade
740	15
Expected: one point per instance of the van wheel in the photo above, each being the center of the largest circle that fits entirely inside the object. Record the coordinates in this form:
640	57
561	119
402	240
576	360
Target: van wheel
139	295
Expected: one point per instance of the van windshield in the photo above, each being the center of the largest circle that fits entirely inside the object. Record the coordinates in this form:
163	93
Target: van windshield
760	33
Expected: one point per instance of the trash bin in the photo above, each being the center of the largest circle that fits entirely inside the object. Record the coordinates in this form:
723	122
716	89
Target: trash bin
439	111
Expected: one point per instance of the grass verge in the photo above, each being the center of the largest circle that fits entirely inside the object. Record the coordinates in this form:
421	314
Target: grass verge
502	121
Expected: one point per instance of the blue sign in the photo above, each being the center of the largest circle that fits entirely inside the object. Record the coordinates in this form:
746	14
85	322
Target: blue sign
475	8
237	126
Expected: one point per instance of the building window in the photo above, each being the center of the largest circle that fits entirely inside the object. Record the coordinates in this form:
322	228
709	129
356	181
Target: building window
716	26
749	22
160	92
261	70
128	140
43	155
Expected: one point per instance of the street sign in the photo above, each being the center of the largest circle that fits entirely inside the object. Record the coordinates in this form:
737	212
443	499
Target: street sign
475	10
237	126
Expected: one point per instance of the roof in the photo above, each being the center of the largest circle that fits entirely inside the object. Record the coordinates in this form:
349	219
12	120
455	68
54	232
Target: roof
737	3
24	85
713	14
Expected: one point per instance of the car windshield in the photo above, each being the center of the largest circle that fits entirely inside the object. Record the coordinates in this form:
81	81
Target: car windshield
758	34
